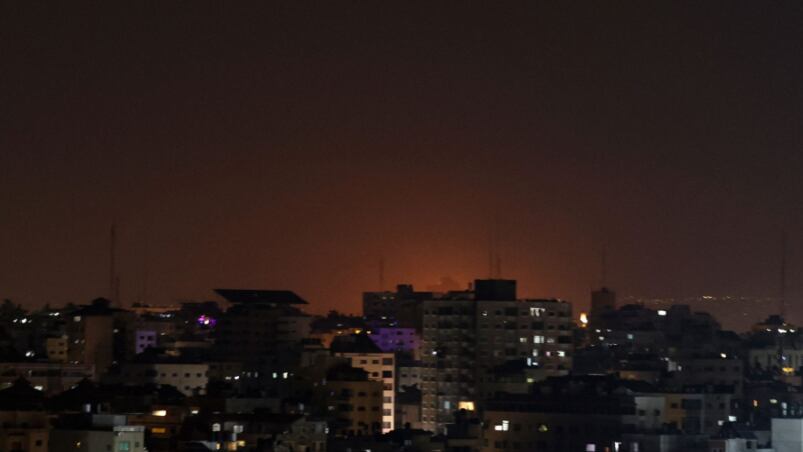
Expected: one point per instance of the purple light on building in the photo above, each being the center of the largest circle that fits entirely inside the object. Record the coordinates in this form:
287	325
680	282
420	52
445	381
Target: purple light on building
391	339
144	339
205	320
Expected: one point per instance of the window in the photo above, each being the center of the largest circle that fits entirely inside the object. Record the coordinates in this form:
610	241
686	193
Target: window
387	361
387	374
124	446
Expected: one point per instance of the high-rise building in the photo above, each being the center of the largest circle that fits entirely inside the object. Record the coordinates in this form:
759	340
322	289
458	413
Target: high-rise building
401	308
466	334
258	325
602	301
90	332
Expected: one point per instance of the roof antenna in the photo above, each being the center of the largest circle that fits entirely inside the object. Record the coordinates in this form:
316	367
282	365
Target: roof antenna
494	255
112	263
381	273
143	297
782	300
490	254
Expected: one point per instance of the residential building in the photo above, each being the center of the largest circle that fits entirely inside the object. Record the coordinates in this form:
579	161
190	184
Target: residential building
353	401
90	330
468	334
258	324
92	432
380	366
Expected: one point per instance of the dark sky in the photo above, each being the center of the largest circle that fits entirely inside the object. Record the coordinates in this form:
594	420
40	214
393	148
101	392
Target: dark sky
292	145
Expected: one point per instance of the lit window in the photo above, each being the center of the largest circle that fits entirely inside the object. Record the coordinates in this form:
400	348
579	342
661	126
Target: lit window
536	312
466	405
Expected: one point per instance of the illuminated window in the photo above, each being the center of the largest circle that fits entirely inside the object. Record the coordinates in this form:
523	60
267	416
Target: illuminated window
584	319
466	405
536	312
538	339
158	430
503	427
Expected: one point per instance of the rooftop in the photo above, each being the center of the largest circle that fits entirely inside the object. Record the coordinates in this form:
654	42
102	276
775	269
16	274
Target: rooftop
239	296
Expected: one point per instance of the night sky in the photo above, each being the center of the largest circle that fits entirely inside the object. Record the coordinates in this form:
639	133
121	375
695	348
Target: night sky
293	146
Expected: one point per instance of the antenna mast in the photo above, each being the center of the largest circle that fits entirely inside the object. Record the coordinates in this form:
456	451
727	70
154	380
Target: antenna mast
381	273
112	263
782	300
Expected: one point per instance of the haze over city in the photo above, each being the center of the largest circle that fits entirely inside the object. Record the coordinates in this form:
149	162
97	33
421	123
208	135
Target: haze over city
291	147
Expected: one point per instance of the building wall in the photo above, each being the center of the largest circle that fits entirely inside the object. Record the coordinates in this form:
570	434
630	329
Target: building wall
381	367
787	434
52	378
253	333
144	339
698	413
767	358
448	353
358	404
463	339
409	376
91	341
549	432
720	371
97	440
57	350
25	431
391	339
186	377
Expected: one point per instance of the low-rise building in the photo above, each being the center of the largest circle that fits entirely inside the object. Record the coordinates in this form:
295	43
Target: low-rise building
93	432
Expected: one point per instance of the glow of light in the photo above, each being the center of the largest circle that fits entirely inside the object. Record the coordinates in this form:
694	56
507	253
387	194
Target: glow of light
160	413
788	370
584	319
662	312
466	405
723	355
205	320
